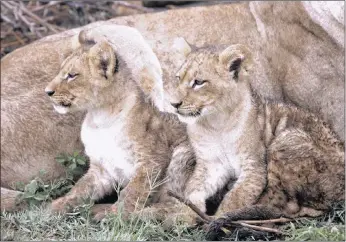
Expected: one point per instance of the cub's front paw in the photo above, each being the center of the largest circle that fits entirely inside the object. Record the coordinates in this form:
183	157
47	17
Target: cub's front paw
100	211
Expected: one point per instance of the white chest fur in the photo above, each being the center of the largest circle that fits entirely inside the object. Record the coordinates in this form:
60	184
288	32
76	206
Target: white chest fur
219	148
106	144
219	151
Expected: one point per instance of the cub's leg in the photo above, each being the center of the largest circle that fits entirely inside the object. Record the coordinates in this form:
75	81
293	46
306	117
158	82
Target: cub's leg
205	181
93	185
169	212
247	188
143	186
305	174
168	209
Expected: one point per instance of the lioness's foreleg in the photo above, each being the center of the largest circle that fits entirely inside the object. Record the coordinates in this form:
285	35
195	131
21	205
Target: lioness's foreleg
9	199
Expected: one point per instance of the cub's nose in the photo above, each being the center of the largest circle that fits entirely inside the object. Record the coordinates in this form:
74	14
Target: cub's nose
49	92
176	105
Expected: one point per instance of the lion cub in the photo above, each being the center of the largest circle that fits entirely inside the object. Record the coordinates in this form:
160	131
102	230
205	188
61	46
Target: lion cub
282	157
130	143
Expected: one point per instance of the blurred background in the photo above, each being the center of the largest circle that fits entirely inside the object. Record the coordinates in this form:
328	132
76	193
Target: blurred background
25	21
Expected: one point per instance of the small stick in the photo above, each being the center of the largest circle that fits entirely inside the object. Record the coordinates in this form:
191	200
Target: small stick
276	220
244	223
50	4
260	228
38	19
129	5
18	38
8	44
192	206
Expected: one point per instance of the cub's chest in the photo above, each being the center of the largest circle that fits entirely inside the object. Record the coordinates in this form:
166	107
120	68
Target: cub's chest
219	150
109	147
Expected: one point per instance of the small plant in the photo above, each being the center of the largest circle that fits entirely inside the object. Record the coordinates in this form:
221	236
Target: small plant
75	164
37	191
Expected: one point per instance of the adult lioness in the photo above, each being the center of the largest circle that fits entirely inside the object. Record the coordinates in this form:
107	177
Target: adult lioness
129	142
286	161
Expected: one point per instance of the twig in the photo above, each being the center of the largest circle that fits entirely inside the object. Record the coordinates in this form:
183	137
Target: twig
192	206
50	4
276	220
260	228
18	38
32	15
6	19
4	45
38	19
244	223
129	5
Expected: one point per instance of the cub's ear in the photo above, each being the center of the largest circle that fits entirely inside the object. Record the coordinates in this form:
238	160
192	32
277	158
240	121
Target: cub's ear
103	60
83	40
181	46
237	59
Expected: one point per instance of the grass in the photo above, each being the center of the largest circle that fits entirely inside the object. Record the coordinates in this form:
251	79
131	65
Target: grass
37	224
330	227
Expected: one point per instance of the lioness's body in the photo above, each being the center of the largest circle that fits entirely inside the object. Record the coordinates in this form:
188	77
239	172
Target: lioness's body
300	51
130	143
282	157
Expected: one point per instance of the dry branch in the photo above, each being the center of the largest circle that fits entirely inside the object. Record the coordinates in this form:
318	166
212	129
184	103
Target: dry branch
245	223
133	6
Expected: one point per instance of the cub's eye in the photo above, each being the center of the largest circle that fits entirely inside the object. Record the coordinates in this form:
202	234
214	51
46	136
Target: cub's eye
71	76
198	83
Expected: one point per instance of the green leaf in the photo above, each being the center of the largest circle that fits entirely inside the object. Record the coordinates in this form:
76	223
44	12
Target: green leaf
78	171
70	158
60	160
80	161
72	166
76	153
41	197
31	187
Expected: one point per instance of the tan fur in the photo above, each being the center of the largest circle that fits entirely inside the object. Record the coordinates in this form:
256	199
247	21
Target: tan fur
283	157
95	78
298	48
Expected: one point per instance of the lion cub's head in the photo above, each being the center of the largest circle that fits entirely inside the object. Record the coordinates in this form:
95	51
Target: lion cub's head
210	80
84	76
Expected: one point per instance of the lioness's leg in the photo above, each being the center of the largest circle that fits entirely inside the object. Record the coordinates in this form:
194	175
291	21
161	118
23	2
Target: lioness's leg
9	200
93	185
